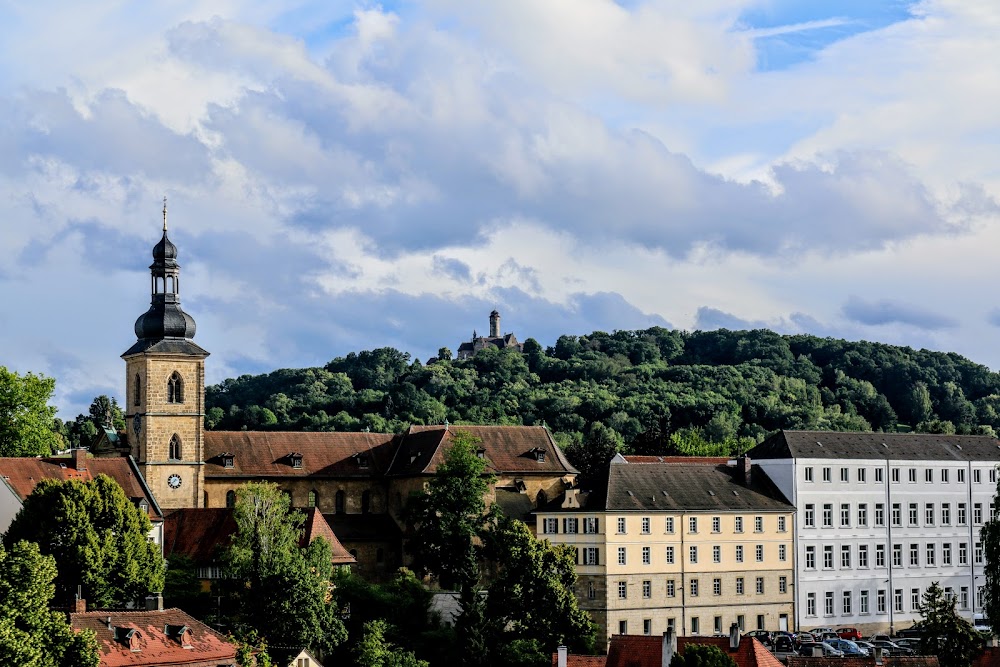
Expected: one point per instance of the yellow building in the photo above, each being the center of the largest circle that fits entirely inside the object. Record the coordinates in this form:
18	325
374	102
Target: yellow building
695	544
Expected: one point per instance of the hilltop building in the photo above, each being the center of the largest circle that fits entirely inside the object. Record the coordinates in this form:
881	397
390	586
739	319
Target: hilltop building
495	339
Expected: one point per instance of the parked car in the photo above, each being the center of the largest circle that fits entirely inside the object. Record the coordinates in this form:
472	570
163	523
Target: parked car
827	636
908	642
868	646
847	647
785	645
820	631
806	637
913	631
765	637
891	647
806	649
882	638
849	633
981	624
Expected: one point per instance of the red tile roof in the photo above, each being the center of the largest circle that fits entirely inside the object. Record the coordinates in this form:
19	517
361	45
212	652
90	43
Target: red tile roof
988	658
507	449
265	453
200	533
647	651
708	460
23	473
208	648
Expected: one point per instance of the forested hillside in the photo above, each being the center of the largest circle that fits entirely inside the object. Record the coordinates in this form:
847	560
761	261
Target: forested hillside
652	391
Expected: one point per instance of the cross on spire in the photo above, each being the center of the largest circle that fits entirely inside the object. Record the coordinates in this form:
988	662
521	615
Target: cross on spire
164	213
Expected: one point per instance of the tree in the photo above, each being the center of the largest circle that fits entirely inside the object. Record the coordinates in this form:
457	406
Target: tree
444	354
104	411
591	457
281	591
97	536
30	634
374	650
450	515
26	418
946	634
701	655
990	538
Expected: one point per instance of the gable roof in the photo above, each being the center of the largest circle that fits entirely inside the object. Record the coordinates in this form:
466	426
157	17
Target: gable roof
22	474
324	454
507	449
647	651
200	533
878	446
208	648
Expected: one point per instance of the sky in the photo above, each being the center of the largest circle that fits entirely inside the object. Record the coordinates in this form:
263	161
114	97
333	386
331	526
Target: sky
343	176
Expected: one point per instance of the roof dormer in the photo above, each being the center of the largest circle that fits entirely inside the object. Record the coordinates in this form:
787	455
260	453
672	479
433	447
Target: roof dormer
537	453
127	637
228	459
363	460
295	459
179	633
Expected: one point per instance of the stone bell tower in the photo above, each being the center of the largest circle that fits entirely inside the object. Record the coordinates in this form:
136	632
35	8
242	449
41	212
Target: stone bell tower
165	389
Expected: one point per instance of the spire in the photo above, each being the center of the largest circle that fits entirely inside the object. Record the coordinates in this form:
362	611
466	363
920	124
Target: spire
165	318
164	214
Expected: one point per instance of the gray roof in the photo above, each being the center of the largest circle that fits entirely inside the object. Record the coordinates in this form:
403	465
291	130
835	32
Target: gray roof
166	346
896	446
685	487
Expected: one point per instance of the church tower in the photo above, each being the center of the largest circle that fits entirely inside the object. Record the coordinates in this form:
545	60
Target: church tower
165	389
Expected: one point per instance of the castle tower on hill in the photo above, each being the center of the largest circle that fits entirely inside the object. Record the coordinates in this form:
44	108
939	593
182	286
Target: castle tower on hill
165	389
495	339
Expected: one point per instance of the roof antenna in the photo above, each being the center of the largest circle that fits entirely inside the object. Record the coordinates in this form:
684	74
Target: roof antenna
164	213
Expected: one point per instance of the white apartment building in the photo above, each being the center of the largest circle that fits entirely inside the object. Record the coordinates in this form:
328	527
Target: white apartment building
879	518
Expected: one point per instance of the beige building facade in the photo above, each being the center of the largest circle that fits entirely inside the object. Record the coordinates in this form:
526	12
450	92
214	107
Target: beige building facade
684	545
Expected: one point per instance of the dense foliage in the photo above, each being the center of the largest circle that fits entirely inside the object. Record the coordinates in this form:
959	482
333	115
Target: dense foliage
98	538
26	418
946	634
657	390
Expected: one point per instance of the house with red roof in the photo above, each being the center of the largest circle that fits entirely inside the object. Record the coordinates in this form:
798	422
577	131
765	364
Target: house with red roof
658	651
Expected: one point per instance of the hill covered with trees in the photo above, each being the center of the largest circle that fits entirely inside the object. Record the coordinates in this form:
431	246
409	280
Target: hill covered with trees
653	391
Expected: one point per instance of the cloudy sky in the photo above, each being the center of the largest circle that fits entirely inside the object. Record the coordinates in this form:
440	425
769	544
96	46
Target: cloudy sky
345	175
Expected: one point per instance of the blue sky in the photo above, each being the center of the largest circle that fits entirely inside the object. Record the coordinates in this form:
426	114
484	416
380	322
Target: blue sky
344	176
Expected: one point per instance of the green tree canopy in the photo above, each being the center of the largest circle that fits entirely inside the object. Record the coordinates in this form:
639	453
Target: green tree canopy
946	634
701	655
279	590
26	419
374	650
30	634
98	538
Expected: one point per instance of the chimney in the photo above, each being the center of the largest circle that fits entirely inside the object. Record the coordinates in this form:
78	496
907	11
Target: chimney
743	466
561	652
734	637
108	623
79	459
79	604
669	647
154	602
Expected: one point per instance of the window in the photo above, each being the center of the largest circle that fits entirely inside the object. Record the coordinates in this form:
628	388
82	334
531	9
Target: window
914	519
993	475
671	588
914	555
929	514
647	626
895	475
692	554
913	475
175	448
828	557
668	525
828	603
946	553
929	475
880	602
845	475
781	524
716	586
878	476
694	588
230	498
738	525
863	602
810	604
590	556
645	525
963	599
826	475
739	553
879	555
695	625
862	555
550	526
847	604
977	513
340	502
897	514
897	555
718	625
313	499
782	584
963	553
861	475
845	556
810	518
739	585
977	476
862	515
716	524
623	627
621	556
571	525
879	515
716	554
979	553
930	555
845	515
758	524
827	515
621	525
945	514
646	556
809	474
960	475
760	585
175	388
693	524
647	588
961	514
944	476
759	553
136	390
670	556
810	558
622	590
915	599
782	552
897	599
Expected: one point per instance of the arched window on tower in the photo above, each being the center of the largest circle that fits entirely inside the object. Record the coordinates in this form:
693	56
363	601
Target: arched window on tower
175	388
366	502
340	502
230	498
313	499
137	390
175	448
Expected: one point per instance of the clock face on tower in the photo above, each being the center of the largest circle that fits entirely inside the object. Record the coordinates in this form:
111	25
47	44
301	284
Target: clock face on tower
174	481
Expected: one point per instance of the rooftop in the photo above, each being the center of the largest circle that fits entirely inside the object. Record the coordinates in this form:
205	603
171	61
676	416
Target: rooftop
877	446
